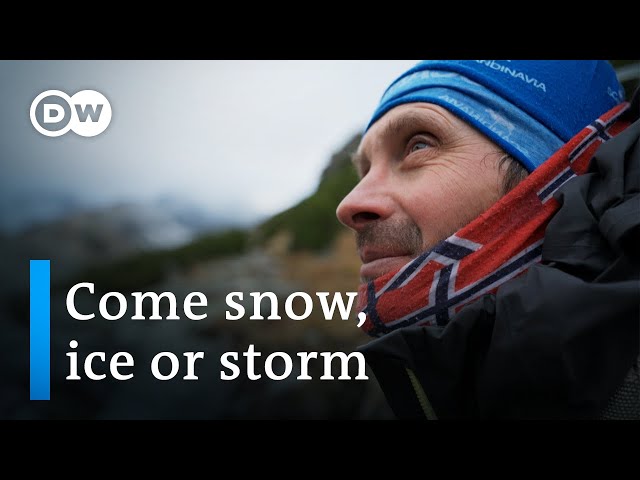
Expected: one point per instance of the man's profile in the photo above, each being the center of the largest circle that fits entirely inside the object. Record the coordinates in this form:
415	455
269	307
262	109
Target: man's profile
497	220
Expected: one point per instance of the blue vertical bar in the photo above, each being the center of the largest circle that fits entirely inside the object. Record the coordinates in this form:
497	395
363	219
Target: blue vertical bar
40	330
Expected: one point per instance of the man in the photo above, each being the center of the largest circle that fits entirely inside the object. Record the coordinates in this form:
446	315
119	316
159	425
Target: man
499	257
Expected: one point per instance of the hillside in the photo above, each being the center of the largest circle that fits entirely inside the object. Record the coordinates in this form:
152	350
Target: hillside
312	223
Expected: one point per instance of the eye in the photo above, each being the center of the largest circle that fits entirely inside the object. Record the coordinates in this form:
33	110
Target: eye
419	142
418	146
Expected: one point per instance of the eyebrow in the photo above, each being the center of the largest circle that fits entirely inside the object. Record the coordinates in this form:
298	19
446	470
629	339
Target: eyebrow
399	125
407	121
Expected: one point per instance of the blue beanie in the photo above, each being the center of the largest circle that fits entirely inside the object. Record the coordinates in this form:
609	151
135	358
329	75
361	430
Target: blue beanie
530	108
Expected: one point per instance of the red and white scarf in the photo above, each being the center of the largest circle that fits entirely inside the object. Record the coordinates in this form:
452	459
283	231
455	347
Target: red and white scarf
497	246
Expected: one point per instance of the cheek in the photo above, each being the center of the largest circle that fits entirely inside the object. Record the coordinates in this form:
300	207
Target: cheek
442	202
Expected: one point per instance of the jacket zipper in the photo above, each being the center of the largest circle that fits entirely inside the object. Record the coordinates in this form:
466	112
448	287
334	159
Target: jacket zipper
423	400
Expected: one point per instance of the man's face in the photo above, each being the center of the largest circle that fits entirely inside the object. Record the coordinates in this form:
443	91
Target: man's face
424	174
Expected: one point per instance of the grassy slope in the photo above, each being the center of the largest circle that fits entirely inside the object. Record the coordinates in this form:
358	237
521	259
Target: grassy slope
312	223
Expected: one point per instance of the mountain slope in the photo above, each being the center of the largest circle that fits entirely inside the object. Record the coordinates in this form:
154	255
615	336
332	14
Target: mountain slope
312	223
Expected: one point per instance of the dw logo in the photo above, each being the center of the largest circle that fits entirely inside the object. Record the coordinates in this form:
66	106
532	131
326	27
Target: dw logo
54	113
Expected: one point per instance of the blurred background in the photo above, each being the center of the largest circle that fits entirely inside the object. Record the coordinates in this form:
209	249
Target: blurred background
213	176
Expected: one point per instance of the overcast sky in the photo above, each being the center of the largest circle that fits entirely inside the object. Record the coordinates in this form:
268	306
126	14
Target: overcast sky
251	137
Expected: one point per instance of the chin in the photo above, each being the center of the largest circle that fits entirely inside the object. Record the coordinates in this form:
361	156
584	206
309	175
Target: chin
382	266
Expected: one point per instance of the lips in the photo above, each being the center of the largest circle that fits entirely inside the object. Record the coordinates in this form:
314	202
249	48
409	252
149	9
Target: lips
377	262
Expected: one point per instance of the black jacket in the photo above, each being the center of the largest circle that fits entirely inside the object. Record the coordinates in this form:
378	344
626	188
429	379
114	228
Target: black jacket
561	340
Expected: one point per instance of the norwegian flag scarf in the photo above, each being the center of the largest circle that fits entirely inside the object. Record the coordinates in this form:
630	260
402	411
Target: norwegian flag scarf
497	246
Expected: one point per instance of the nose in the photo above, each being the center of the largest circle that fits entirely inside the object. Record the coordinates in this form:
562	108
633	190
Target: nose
369	201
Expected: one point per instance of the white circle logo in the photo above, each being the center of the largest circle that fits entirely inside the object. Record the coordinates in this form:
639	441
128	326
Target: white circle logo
53	113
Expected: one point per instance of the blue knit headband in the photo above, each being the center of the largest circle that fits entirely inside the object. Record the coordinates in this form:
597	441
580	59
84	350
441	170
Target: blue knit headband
530	108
